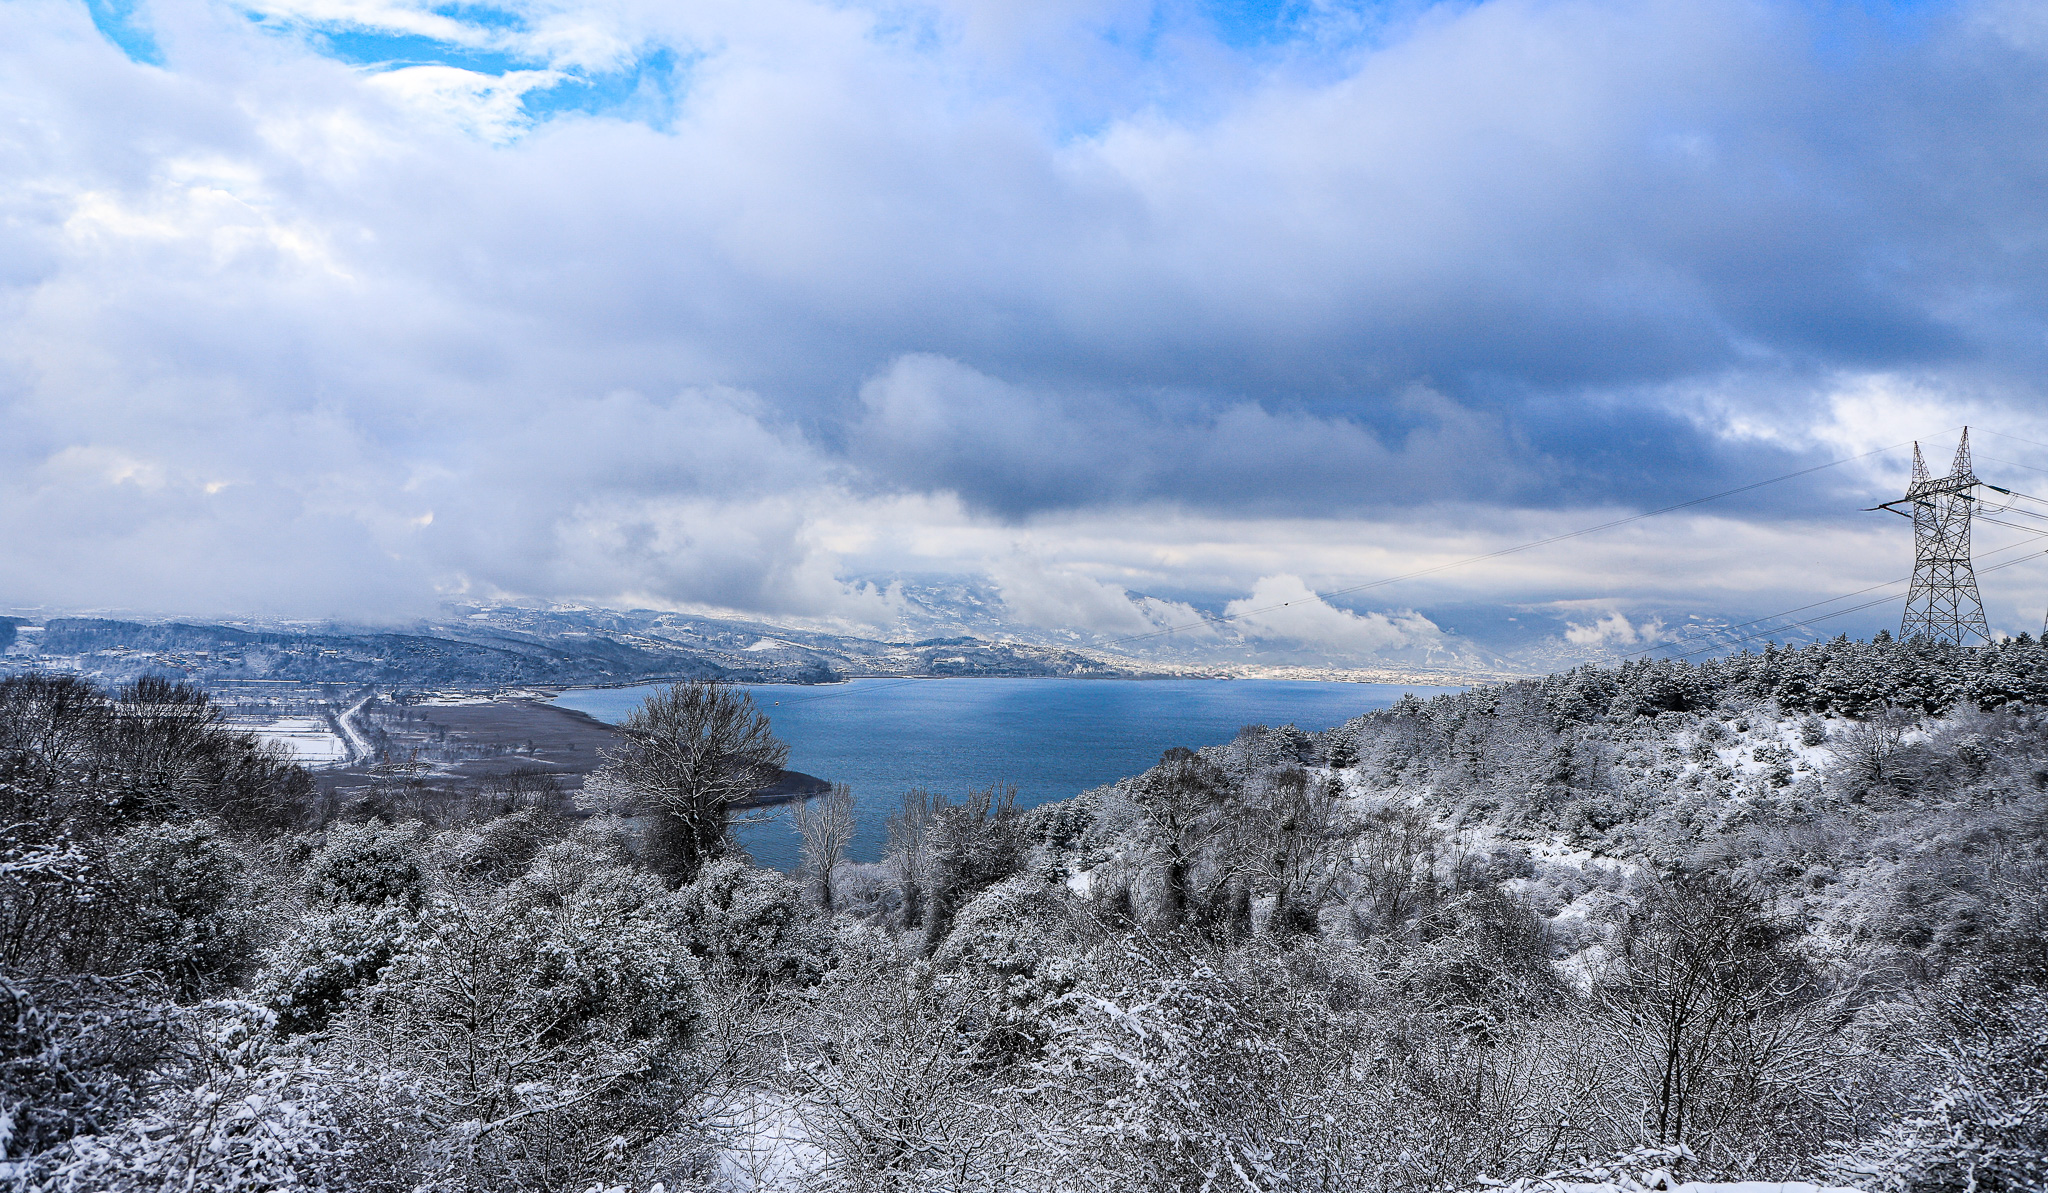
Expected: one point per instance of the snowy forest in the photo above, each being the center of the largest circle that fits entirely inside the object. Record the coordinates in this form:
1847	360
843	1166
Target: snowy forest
1774	917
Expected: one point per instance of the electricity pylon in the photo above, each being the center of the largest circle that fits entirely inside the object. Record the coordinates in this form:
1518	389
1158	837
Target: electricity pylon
1943	604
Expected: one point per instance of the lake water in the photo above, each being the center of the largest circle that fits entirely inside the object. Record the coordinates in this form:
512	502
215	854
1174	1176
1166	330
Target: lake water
1052	738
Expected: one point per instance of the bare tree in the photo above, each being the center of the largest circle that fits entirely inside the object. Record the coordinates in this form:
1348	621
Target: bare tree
1873	752
1182	799
1708	996
909	833
690	753
827	829
1291	846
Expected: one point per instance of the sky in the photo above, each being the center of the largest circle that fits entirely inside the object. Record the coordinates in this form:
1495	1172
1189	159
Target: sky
349	308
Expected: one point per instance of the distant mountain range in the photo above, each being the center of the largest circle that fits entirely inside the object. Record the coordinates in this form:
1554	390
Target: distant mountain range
946	626
510	647
1475	642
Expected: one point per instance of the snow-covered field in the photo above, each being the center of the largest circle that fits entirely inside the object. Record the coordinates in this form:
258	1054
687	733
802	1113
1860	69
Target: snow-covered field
309	739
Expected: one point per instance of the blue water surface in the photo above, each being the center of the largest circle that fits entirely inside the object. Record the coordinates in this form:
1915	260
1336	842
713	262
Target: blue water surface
1052	738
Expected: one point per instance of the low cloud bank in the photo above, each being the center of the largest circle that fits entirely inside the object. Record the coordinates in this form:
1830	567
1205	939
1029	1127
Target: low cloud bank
1284	609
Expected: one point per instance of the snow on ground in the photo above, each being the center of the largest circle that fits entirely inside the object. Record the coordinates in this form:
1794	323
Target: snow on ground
1653	1169
1547	1185
766	1144
1570	891
309	739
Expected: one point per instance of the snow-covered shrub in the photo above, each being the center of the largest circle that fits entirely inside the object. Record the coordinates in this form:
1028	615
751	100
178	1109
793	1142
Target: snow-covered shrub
751	923
890	1078
49	888
1497	864
1657	1168
248	1115
371	864
1194	1077
1012	927
325	956
498	849
1984	1126
598	844
182	904
167	899
1485	961
75	1060
1721	1024
549	1030
1023	938
967	847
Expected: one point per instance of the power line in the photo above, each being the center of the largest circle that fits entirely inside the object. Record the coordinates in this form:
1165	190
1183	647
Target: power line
1456	563
2014	463
1806	622
1739	638
2016	439
1787	614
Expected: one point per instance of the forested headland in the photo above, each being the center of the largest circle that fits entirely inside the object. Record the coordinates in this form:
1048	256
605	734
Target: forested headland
1778	916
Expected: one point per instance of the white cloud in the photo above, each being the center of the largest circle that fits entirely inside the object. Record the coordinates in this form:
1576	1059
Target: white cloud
491	107
1614	629
1056	598
381	16
1282	607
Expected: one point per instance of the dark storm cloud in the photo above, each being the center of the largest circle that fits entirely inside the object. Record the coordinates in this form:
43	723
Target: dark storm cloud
932	423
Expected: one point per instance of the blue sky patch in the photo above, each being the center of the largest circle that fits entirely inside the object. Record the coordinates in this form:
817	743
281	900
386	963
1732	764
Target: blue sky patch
119	22
1243	23
363	48
644	92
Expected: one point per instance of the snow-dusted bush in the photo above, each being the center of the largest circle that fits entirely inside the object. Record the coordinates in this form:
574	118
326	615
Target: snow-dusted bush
248	1115
1721	1022
1484	962
598	844
1983	1126
370	864
892	1085
328	954
75	1060
182	905
1190	1078
550	1030
1024	940
172	900
1013	927
1659	1168
498	849
752	924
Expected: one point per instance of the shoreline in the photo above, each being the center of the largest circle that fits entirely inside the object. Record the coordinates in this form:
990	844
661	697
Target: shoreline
1375	679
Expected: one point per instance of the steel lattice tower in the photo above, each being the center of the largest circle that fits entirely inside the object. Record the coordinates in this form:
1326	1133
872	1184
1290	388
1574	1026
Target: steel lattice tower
1943	604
